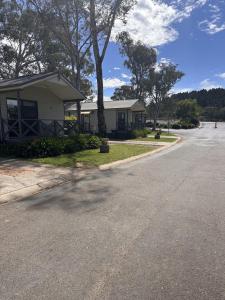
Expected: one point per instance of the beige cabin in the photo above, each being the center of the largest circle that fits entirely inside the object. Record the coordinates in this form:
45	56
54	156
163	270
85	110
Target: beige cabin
120	115
33	106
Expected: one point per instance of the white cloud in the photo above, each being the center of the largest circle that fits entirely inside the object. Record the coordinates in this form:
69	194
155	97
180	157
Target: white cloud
208	84
152	21
116	68
180	90
125	76
215	22
106	98
113	82
211	27
221	75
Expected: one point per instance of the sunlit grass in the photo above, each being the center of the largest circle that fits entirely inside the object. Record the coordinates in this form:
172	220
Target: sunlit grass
94	157
152	139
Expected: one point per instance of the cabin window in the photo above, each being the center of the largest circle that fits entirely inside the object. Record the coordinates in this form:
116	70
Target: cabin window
29	109
12	106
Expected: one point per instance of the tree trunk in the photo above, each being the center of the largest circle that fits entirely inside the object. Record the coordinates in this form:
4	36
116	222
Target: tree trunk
155	123
99	73
101	117
76	81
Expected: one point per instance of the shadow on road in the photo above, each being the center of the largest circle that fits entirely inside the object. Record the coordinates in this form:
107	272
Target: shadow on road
83	195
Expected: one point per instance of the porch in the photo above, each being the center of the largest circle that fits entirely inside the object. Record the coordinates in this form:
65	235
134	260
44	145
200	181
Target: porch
22	129
130	120
33	106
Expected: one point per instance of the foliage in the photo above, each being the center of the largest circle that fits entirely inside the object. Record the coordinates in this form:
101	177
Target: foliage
140	60
186	124
187	109
70	118
204	98
66	22
50	146
125	92
44	36
211	102
159	85
20	45
138	133
151	82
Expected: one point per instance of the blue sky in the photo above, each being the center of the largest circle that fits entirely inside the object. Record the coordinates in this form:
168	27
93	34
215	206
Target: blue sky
190	33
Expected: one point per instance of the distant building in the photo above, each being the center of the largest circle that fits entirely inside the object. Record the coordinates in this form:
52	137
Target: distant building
119	115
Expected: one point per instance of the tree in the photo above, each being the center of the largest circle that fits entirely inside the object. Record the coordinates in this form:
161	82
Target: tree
103	14
159	85
67	23
125	92
205	98
20	45
140	60
187	109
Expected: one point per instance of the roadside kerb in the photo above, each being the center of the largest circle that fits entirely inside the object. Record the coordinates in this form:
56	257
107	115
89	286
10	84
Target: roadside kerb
133	158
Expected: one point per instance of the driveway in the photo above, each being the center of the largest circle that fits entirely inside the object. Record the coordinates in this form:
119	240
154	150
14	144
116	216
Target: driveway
20	179
153	229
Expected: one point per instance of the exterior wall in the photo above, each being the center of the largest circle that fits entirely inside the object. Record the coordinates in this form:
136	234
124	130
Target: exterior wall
50	107
110	119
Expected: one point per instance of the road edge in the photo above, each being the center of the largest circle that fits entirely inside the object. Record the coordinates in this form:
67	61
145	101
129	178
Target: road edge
133	158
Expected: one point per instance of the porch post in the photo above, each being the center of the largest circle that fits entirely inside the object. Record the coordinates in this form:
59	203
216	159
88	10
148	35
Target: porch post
19	112
79	115
1	125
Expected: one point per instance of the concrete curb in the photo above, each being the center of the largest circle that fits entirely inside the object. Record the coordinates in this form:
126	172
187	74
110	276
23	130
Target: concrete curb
133	158
30	190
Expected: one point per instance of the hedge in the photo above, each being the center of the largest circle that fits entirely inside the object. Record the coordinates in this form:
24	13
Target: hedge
186	124
50	146
139	133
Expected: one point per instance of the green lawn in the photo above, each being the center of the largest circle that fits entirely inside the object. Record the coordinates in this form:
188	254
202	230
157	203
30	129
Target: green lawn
94	158
152	139
163	133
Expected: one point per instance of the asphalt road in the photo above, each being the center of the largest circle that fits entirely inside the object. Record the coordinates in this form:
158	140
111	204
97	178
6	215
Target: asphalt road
153	229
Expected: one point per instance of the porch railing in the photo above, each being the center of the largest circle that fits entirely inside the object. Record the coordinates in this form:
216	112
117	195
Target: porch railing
22	129
130	126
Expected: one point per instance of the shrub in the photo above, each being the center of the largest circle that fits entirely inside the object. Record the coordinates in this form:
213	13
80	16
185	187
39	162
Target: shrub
94	142
138	133
71	145
40	148
176	126
50	146
186	124
7	149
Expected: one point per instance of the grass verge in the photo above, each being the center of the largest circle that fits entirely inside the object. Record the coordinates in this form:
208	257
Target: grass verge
152	139
94	157
163	133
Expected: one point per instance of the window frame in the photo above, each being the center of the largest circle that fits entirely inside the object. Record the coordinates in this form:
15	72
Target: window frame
21	102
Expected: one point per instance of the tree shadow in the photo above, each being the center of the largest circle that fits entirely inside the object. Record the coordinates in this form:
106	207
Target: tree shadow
82	195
